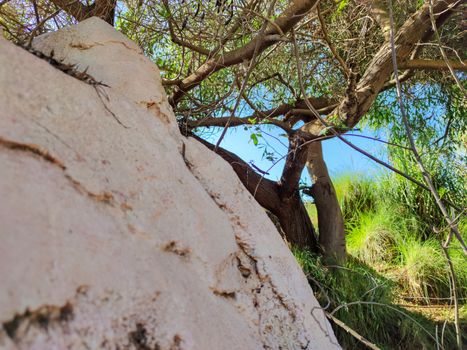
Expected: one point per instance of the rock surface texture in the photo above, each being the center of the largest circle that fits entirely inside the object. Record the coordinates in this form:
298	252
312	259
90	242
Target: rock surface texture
116	232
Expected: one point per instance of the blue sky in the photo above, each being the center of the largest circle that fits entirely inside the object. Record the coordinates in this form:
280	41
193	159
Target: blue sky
339	157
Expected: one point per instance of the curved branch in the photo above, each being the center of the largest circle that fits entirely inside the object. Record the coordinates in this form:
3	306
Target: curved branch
178	40
417	28
265	191
291	16
237	121
322	104
433	65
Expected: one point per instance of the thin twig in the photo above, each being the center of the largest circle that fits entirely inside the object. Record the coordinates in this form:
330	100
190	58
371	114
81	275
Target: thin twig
378	140
426	175
331	46
352	332
39	26
360	302
441	49
247	75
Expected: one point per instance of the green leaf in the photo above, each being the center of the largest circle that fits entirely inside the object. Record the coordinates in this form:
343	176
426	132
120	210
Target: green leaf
325	131
342	5
442	191
254	138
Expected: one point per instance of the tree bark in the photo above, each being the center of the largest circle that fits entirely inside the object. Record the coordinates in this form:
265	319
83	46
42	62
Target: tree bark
433	65
418	27
104	9
330	221
296	223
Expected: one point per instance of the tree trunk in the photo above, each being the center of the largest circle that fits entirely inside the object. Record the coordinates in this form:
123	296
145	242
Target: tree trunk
296	224
330	220
104	9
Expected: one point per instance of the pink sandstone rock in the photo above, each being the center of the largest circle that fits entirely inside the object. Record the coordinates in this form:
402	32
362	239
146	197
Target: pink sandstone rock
107	239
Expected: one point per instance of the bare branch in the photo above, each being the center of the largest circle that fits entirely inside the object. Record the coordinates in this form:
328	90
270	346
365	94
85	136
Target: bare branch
434	65
74	8
342	63
322	104
178	40
352	331
237	121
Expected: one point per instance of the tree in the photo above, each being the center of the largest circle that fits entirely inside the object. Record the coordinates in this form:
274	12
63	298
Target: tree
311	68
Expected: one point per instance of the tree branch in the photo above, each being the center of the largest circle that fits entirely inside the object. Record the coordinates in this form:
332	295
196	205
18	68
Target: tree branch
322	104
178	40
415	29
291	16
294	163
74	8
331	46
237	121
433	65
265	191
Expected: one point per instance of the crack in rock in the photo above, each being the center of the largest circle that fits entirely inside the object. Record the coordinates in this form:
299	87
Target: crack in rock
34	149
83	46
174	247
104	197
264	279
43	317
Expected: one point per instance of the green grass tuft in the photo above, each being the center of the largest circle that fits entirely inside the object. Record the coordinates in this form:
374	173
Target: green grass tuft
372	238
395	256
423	271
365	301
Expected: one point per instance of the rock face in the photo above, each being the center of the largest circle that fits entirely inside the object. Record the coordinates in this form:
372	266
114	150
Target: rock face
116	232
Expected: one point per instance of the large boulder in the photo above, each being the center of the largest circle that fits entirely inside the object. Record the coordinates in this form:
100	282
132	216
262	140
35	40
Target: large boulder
116	232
